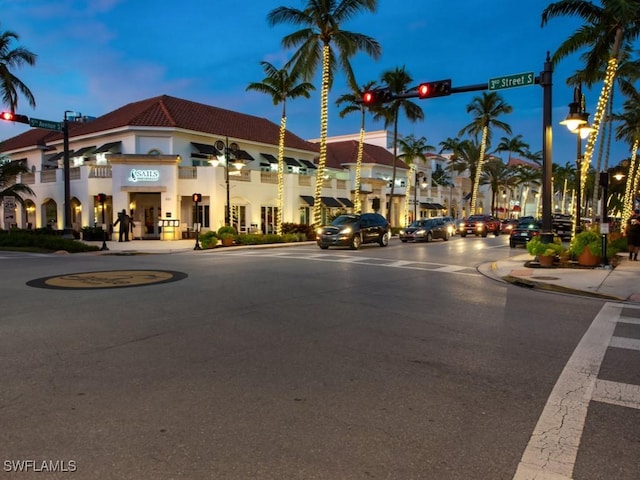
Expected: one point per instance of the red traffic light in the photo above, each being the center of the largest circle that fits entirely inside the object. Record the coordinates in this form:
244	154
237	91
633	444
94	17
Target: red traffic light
378	95
13	117
440	88
197	197
101	198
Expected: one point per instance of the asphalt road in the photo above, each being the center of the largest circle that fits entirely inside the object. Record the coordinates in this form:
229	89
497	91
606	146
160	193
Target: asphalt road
297	363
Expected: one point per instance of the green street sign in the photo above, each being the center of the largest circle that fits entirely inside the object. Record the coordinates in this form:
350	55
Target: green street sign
510	81
48	124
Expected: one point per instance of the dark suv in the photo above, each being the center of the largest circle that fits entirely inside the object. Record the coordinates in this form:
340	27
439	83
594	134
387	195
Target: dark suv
354	230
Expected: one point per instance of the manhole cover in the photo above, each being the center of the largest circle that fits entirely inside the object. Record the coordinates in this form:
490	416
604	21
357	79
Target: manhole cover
546	278
107	279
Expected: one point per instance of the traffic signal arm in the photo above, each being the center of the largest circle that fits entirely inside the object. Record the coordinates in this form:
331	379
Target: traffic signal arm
13	117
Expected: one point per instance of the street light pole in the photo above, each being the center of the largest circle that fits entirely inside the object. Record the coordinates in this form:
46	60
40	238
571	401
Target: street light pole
67	179
227	149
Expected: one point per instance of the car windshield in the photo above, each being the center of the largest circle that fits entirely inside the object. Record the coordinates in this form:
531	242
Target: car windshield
344	220
476	218
419	223
528	224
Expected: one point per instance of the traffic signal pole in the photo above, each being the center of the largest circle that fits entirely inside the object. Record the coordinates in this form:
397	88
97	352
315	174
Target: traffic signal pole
384	95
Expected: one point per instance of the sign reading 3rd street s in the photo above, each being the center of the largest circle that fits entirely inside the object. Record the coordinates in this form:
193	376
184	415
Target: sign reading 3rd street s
48	124
510	81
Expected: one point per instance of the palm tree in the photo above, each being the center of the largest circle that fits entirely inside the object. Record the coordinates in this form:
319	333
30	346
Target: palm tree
629	131
512	145
397	81
607	32
486	110
497	175
11	59
9	170
526	176
281	84
321	22
354	103
466	158
412	149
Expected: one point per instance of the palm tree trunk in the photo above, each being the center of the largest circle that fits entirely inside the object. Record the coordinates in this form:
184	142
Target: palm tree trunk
283	129
322	160
476	180
630	186
395	158
357	201
407	195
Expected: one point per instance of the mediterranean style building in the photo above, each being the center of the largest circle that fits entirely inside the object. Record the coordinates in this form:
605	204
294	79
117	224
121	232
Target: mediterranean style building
150	157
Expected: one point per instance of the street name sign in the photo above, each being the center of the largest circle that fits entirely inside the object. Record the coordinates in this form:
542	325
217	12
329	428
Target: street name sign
510	81
47	124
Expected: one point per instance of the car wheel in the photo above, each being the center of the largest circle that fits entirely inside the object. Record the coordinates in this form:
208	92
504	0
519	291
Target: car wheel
497	233
384	239
463	235
446	236
484	235
429	237
403	240
512	244
356	241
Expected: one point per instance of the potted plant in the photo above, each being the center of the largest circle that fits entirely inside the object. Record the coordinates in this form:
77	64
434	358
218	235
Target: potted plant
227	234
546	252
586	247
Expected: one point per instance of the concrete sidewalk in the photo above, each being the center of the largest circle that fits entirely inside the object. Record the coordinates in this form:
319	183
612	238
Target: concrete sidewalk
621	283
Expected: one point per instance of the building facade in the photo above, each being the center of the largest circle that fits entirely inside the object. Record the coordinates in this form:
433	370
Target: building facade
149	158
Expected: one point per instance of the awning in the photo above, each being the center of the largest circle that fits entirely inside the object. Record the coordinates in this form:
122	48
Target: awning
330	202
307	199
58	156
308	164
431	206
345	201
291	161
206	149
516	208
83	151
269	158
113	147
243	155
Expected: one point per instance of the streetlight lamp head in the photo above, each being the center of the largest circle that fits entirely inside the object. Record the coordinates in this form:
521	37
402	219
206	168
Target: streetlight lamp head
574	119
214	160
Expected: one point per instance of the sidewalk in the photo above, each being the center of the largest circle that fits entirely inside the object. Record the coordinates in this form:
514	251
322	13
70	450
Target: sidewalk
619	284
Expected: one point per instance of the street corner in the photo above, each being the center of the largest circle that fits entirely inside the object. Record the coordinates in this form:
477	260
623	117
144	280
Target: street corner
107	279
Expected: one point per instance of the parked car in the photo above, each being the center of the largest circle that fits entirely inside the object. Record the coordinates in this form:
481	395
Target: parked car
508	225
354	230
562	225
480	225
425	230
523	232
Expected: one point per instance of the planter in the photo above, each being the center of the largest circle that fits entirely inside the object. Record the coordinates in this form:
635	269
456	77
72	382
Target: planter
588	259
546	260
227	242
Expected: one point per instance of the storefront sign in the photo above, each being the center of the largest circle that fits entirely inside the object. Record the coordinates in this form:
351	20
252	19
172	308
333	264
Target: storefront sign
144	175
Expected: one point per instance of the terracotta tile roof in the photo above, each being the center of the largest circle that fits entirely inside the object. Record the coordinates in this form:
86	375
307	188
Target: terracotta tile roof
171	112
515	162
340	153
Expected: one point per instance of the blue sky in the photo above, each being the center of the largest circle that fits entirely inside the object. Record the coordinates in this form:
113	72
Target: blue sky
97	55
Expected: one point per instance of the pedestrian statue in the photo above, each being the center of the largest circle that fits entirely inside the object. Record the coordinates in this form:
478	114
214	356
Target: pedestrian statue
126	224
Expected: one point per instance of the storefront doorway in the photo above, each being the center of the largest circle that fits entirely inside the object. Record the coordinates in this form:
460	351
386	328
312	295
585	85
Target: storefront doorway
146	214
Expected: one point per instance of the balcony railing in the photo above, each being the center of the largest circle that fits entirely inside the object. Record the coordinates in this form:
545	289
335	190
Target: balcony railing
48	176
100	171
187	173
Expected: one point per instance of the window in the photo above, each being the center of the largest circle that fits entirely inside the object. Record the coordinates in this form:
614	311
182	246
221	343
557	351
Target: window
201	216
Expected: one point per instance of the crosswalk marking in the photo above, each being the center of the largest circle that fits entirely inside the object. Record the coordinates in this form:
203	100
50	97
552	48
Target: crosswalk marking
371	261
553	448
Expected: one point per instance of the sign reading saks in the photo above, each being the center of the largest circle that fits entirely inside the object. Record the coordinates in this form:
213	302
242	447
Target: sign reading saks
136	175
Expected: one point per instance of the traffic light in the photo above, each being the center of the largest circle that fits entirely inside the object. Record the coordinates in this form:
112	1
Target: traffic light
13	117
197	197
376	96
441	88
101	198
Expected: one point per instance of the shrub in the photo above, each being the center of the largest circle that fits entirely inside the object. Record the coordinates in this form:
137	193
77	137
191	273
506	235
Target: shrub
29	241
536	247
208	239
226	229
591	237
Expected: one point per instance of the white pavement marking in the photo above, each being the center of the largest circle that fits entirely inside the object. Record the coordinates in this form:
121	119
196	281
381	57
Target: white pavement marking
553	447
617	393
631	320
371	261
623	342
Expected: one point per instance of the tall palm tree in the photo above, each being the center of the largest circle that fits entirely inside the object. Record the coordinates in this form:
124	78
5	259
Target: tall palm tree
354	103
397	81
512	145
412	149
629	131
281	84
321	22
10	59
9	170
526	177
498	176
466	158
486	110
607	30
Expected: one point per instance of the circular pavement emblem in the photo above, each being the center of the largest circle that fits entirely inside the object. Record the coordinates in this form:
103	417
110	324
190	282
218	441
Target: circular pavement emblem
107	279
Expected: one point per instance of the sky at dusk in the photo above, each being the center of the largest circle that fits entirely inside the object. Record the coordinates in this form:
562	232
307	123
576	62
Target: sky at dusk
97	55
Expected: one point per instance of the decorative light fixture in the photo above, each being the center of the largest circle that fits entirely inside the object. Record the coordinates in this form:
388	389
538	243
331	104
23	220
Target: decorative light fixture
226	150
